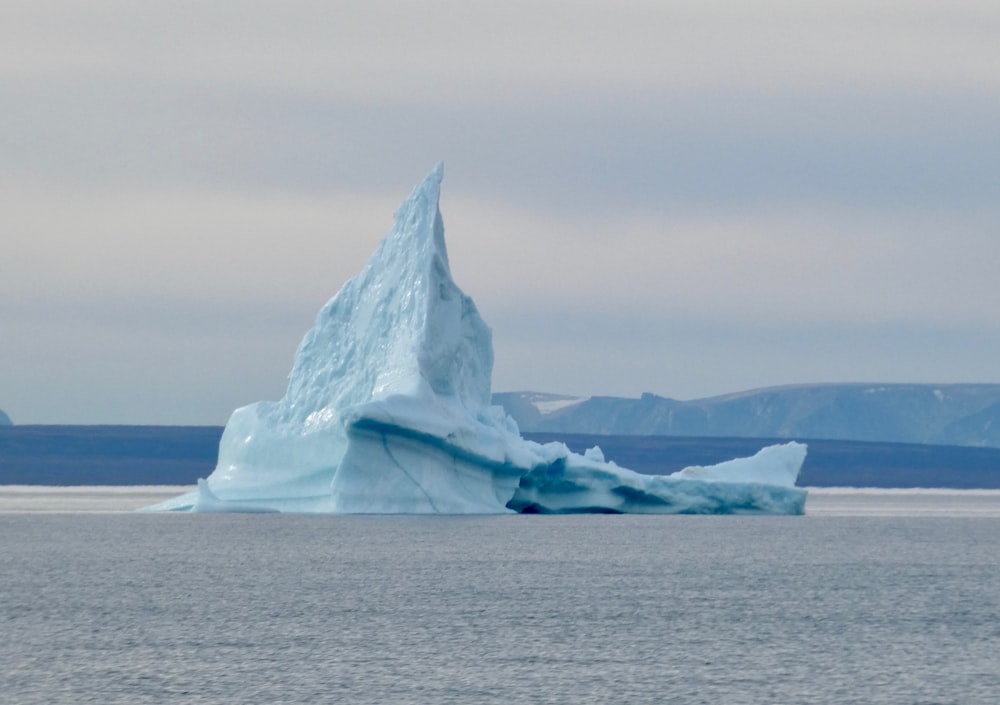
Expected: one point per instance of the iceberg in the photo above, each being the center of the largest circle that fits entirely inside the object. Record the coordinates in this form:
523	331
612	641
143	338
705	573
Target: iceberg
388	410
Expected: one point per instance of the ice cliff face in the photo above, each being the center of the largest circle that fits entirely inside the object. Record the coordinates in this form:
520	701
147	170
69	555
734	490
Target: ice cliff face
388	411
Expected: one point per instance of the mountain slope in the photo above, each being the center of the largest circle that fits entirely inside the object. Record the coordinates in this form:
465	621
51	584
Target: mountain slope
954	414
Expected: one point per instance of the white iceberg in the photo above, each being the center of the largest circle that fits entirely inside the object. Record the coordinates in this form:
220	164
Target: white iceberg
388	411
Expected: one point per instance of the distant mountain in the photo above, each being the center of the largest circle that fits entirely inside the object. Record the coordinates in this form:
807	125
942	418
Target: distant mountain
948	414
4	419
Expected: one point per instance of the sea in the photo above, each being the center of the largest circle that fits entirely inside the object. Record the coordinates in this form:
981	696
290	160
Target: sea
871	597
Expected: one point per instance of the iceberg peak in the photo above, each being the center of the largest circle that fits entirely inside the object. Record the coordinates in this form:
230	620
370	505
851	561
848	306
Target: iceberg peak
399	344
388	410
420	210
398	327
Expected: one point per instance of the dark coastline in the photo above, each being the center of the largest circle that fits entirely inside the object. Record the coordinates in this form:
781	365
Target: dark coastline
178	455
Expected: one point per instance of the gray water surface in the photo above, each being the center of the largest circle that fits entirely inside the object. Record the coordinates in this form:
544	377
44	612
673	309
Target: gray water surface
140	608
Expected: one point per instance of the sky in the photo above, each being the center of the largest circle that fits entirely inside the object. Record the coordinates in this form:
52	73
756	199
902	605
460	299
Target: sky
687	198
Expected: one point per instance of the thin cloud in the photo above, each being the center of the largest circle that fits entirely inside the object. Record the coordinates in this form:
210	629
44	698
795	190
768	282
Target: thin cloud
684	197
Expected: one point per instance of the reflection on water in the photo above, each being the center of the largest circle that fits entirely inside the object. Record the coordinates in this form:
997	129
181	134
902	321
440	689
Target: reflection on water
853	501
824	501
36	499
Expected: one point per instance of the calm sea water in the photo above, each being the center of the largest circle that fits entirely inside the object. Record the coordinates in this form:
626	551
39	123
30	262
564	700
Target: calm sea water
869	598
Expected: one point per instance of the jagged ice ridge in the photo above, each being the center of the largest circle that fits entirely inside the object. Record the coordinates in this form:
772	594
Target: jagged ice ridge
388	411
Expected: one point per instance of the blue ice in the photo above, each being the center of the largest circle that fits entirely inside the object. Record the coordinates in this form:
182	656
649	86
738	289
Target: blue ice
388	411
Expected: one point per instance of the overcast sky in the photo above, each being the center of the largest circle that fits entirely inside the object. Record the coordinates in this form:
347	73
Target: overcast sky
686	198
